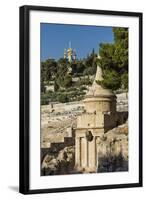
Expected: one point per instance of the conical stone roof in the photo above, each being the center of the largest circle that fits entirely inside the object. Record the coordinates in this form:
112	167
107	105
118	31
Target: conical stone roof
96	90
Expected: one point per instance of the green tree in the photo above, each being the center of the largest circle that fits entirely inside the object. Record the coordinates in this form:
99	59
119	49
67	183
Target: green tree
124	80
90	64
67	82
56	86
78	68
111	80
51	68
43	77
63	98
114	60
48	69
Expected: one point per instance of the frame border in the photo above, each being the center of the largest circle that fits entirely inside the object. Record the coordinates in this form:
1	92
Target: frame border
24	98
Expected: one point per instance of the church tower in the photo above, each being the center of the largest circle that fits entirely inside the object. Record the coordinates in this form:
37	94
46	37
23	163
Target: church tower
70	54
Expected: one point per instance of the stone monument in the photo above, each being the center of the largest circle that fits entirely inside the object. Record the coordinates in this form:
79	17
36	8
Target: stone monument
99	117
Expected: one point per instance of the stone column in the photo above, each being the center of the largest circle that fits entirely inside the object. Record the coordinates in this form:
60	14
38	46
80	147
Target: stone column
95	150
94	154
78	151
86	153
83	153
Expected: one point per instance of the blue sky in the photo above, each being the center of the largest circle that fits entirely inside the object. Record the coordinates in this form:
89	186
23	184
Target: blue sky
56	37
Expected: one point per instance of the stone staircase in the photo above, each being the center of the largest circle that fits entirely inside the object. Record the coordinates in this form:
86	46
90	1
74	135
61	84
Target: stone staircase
55	147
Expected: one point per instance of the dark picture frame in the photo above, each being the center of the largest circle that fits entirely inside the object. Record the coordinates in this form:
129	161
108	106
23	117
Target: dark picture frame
24	136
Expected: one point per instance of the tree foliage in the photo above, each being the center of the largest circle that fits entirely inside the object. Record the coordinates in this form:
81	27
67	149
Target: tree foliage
114	60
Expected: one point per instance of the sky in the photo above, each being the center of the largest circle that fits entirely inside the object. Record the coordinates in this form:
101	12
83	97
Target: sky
56	37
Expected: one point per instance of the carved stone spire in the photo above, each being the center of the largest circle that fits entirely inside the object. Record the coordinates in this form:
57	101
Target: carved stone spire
96	89
98	76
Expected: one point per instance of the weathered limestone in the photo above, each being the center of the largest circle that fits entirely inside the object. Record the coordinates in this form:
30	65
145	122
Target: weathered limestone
100	116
